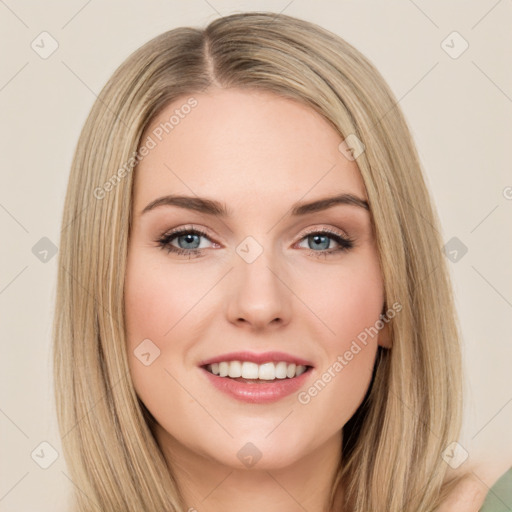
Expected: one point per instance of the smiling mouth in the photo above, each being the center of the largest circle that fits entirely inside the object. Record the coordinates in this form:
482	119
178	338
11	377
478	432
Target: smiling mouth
249	372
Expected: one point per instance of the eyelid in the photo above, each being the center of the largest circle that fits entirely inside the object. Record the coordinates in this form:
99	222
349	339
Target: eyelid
324	229
187	228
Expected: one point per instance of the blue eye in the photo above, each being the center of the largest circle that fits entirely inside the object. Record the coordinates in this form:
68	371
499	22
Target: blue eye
324	237
190	240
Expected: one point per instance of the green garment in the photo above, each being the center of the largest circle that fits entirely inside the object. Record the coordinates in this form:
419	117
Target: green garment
499	498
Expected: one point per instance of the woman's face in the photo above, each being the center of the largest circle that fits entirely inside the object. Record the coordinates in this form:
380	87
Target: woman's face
261	280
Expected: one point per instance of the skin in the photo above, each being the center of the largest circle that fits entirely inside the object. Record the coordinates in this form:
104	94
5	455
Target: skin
259	154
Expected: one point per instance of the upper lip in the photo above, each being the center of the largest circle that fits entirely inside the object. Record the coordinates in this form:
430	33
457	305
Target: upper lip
263	357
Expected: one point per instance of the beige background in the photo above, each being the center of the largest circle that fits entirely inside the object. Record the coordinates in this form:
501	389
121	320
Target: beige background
459	110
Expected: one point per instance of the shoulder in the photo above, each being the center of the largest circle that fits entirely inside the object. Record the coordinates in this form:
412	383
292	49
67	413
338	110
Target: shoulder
472	494
499	496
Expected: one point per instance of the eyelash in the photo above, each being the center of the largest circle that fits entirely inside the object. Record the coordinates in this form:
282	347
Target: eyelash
164	242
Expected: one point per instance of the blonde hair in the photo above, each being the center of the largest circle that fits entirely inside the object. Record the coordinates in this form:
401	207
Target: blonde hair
392	447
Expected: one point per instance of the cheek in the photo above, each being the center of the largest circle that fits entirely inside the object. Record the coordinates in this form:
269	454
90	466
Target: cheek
155	298
346	300
155	301
350	303
360	302
147	302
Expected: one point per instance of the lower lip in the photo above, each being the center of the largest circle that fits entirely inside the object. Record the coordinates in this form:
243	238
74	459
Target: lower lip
258	393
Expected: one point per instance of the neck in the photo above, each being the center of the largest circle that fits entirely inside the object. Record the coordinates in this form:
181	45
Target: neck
210	486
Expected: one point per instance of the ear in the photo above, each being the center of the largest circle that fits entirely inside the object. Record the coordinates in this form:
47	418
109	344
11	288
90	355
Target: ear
384	338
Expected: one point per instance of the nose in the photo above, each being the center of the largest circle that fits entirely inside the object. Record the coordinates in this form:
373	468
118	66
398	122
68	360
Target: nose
259	297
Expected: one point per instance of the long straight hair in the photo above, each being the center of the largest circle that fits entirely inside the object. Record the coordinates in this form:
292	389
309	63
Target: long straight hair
393	445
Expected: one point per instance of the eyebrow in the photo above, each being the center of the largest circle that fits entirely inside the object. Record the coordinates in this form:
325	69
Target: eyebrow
218	209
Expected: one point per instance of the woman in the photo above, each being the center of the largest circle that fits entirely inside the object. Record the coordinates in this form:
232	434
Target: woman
253	371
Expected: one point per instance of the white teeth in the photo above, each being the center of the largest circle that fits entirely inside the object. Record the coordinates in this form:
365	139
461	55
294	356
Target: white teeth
281	370
267	371
290	370
300	370
235	369
249	370
223	369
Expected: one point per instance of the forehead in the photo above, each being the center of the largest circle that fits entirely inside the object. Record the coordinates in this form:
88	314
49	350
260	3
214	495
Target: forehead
244	147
